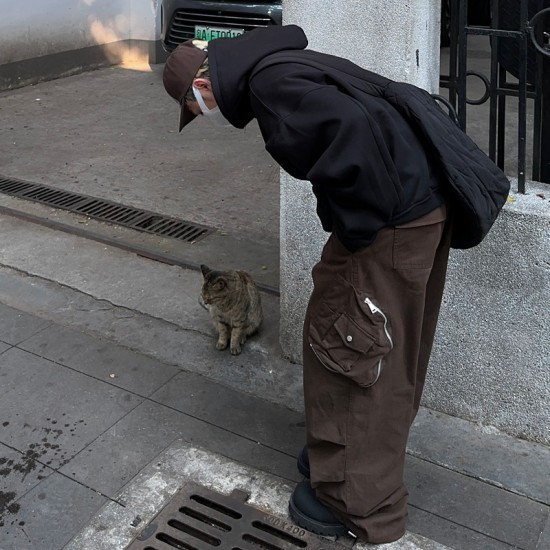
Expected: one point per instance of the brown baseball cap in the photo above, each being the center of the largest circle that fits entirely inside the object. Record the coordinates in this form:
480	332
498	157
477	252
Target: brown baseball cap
179	72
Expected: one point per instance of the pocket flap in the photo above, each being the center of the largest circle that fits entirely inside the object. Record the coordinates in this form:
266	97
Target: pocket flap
351	335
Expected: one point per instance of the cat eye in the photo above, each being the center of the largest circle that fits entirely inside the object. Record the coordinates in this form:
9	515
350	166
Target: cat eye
219	285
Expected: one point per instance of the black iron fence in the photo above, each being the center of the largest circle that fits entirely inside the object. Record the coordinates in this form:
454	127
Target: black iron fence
519	32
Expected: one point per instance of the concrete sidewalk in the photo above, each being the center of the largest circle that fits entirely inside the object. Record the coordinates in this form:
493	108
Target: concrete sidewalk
93	392
108	362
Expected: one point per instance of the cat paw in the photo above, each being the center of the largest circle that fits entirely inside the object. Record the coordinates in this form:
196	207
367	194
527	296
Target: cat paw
235	350
221	345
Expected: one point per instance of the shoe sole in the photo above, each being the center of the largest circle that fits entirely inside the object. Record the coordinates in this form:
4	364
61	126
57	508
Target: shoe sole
327	530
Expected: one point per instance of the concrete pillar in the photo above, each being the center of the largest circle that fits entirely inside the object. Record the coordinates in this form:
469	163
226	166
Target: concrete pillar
397	39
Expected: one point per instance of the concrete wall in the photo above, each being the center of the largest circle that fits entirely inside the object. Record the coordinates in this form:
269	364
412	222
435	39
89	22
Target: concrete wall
52	38
491	357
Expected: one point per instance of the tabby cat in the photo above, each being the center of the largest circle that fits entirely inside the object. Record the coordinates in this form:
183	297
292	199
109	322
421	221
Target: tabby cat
234	304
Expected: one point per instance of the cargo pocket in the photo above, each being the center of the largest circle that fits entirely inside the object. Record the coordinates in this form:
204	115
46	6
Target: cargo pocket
350	335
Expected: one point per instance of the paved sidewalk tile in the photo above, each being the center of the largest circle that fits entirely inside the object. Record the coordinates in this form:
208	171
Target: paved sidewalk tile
123	450
483	508
236	411
520	466
19	473
101	359
16	326
49	515
544	540
54	410
450	533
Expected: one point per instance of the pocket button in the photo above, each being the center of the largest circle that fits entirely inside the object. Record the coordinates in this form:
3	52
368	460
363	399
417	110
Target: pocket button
349	338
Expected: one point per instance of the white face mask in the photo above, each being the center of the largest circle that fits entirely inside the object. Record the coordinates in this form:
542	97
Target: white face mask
214	115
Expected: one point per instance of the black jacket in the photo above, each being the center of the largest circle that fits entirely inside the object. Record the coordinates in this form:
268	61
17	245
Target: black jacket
377	152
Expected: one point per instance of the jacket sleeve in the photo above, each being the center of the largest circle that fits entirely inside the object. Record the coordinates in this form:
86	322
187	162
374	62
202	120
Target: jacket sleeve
331	140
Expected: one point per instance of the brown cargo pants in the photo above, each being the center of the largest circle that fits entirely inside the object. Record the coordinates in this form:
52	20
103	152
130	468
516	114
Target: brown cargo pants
368	335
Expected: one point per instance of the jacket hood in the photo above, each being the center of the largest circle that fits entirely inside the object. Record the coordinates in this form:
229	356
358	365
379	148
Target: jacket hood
232	60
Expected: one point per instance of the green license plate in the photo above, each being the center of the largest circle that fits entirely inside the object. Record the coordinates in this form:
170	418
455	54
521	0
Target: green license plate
211	33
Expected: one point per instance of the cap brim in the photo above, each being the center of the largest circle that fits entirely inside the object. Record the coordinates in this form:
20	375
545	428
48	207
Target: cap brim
186	116
178	75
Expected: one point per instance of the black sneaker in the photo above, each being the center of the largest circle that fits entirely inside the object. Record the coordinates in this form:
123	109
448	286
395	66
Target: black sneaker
307	512
303	462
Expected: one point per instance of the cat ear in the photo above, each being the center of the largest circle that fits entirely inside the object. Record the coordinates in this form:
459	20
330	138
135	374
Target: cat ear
205	270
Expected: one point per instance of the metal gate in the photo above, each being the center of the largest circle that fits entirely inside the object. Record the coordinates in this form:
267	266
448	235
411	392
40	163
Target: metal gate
519	33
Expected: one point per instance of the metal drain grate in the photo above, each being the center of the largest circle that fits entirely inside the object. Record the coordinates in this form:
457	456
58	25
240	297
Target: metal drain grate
198	519
99	209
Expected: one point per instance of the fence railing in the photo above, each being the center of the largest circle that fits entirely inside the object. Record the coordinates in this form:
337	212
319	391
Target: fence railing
519	67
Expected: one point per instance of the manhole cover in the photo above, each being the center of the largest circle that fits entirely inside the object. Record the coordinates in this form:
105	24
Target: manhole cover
197	518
